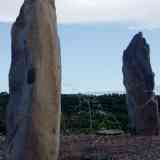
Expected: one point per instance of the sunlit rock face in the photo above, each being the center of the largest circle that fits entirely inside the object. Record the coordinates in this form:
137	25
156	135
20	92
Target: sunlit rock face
138	79
33	113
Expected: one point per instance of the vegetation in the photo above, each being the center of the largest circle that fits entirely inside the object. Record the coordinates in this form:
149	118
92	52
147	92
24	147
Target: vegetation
89	113
84	113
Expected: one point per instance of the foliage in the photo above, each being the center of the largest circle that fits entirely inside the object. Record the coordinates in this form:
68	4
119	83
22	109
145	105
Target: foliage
89	113
84	113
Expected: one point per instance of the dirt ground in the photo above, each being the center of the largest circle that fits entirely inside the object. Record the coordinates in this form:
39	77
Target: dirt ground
93	147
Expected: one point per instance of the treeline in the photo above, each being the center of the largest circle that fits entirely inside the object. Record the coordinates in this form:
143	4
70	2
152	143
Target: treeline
84	113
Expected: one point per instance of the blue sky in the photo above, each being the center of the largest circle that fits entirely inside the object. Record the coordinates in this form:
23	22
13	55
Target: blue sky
93	35
91	55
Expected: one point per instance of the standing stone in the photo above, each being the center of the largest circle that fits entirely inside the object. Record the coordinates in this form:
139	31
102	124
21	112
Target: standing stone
33	113
139	84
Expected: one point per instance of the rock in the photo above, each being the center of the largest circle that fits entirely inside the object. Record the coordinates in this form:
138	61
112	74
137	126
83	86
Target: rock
139	83
2	147
110	132
33	113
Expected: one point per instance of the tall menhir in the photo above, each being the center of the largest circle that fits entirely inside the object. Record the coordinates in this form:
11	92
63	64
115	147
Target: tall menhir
33	113
138	79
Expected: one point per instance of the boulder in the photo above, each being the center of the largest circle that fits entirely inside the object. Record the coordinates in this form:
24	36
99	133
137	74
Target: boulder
108	132
33	112
138	79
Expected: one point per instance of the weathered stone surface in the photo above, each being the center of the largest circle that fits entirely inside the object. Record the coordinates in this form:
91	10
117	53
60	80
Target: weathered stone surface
33	114
109	132
139	84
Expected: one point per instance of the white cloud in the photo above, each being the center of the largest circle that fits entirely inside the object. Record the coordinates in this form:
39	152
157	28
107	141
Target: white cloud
9	9
138	12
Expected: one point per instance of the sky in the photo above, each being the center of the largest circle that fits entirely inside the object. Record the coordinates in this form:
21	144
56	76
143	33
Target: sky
93	35
139	12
